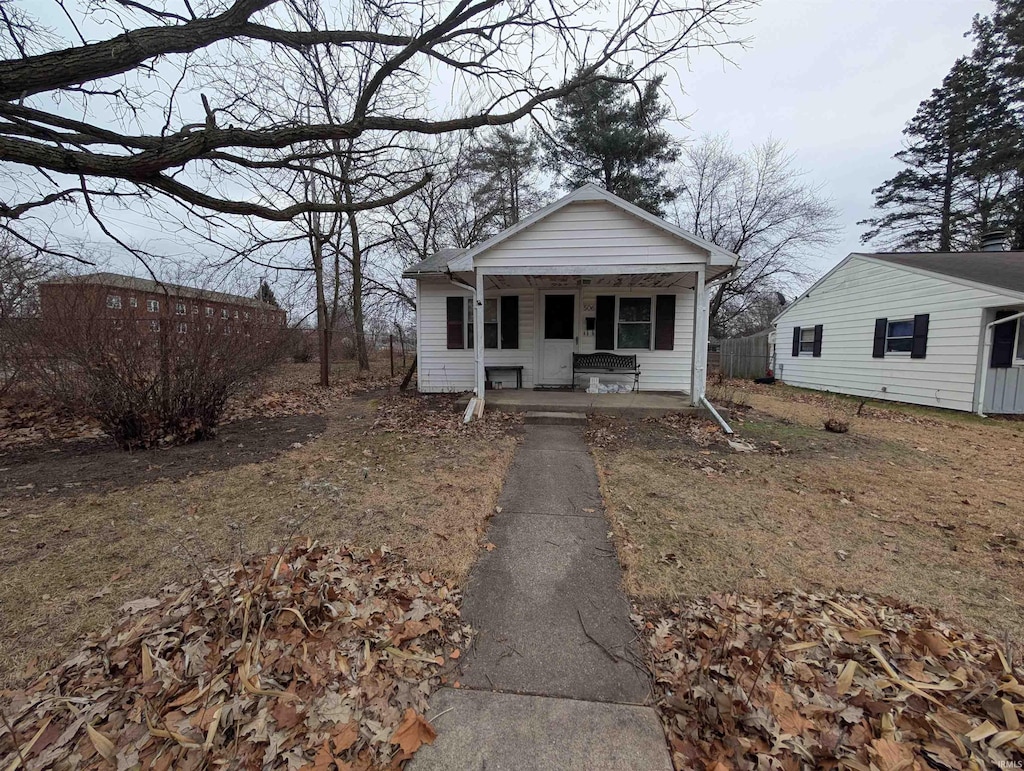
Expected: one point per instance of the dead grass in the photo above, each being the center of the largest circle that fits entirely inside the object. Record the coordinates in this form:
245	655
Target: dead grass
426	489
919	504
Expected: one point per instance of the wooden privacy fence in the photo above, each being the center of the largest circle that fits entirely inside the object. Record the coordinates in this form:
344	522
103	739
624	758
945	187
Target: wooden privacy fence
744	357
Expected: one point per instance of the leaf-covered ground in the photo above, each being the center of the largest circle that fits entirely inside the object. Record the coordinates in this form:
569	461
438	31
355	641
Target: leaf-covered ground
806	681
317	657
381	469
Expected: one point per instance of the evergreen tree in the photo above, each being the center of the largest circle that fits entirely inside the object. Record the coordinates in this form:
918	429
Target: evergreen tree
607	134
504	166
963	160
266	294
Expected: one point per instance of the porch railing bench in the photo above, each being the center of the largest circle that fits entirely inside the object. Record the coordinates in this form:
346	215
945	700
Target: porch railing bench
605	363
489	368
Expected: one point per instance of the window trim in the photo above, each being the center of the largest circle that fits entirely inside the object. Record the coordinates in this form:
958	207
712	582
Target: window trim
649	322
133	302
1018	340
114	302
809	343
180	309
153	306
888	337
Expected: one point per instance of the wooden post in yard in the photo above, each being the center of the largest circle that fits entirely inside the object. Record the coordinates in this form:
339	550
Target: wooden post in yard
391	353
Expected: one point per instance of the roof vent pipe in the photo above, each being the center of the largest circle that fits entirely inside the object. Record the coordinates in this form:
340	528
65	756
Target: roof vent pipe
994	241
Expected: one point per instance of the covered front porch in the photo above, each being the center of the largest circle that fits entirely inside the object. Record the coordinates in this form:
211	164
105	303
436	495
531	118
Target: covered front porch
643	404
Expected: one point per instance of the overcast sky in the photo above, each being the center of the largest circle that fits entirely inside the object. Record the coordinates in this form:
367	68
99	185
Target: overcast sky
836	80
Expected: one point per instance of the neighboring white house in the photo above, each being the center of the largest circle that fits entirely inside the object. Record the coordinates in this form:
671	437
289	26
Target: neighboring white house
938	329
590	272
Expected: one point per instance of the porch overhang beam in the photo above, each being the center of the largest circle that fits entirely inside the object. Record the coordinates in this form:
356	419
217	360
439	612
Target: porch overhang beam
590	270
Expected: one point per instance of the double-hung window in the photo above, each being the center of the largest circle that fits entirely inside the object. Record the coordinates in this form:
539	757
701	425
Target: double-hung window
153	306
179	309
634	323
501	322
899	336
113	302
807	340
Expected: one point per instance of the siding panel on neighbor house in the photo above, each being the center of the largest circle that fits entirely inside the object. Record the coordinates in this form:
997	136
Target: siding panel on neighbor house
1004	386
847	304
589	233
444	370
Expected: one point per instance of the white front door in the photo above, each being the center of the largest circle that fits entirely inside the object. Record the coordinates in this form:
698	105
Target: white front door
558	338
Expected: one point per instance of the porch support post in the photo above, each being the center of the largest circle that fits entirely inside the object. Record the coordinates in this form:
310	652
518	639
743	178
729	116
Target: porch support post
699	358
478	336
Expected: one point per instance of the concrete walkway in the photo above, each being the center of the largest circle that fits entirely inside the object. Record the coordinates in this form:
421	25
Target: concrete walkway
555	678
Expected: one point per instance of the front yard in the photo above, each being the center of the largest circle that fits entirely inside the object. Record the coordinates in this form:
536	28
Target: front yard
917	504
820	600
87	528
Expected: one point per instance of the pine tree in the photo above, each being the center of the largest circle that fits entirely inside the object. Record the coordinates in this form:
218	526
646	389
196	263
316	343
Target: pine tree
266	295
504	166
962	172
603	134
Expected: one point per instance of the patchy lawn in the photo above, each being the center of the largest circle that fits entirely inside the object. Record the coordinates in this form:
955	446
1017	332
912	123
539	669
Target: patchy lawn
923	505
87	529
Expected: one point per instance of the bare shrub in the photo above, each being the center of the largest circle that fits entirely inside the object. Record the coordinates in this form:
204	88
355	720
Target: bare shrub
837	415
148	378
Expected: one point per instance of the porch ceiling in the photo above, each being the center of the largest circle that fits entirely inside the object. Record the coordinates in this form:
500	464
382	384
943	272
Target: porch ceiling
613	281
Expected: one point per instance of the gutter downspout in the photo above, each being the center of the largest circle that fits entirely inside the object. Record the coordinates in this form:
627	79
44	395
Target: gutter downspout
471	408
703	399
986	357
714	413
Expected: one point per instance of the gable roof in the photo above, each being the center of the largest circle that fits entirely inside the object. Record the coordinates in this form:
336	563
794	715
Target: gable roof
1002	270
462	260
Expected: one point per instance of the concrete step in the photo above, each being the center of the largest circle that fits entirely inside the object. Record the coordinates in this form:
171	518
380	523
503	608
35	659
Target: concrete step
556	418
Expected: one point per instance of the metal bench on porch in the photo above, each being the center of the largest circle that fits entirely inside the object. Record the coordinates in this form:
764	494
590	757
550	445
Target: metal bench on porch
605	363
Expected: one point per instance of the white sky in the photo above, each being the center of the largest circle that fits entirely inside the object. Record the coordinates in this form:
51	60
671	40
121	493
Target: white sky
836	80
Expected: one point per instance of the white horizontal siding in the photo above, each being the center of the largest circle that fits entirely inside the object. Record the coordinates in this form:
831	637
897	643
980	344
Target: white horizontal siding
847	303
659	370
589	233
443	370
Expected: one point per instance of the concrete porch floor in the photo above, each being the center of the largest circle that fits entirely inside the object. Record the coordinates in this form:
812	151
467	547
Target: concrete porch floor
641	405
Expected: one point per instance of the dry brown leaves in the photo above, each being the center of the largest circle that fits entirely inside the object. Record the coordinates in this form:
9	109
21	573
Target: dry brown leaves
802	681
314	658
436	415
27	423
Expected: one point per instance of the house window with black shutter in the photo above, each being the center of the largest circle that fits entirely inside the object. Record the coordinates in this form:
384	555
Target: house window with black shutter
807	340
901	337
1007	348
501	322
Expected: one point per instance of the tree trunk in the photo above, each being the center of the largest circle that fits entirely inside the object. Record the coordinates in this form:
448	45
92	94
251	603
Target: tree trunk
362	355
322	321
946	222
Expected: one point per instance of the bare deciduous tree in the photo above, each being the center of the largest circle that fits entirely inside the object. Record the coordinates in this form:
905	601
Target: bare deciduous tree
174	144
758	205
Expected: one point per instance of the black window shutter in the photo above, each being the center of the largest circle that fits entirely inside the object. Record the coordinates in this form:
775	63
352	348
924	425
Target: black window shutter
665	322
604	333
818	329
1003	336
796	341
509	321
920	345
456	322
881	326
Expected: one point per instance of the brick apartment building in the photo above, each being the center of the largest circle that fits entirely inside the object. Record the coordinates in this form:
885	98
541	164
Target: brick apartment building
151	305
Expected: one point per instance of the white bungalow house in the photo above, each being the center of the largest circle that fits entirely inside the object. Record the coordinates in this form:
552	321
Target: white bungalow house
937	329
588	273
